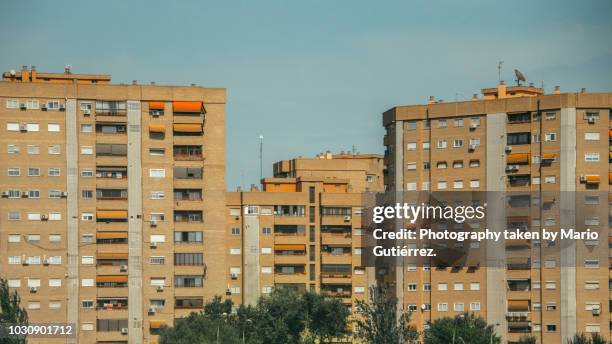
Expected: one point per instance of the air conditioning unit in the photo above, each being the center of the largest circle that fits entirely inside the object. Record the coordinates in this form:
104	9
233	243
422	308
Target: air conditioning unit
153	244
23	127
508	149
160	288
33	289
153	223
43	217
5	194
347	218
22	106
591	120
45	261
151	311
472	147
123	268
86	112
228	291
512	168
62	107
25	195
583	179
43	106
423	307
64	193
24	261
596	310
473	126
234	276
124	330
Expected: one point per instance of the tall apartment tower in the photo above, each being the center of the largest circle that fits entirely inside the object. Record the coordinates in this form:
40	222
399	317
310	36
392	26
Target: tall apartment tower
513	139
303	230
113	201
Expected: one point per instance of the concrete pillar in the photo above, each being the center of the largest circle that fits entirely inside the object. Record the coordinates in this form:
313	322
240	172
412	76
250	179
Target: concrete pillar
398	170
72	216
568	220
495	264
252	269
135	309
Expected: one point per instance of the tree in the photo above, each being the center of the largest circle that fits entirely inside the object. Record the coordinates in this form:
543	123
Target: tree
528	339
326	317
596	338
380	322
464	328
280	318
581	338
11	312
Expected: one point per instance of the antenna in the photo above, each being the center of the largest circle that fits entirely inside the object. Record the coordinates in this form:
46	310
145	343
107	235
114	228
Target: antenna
260	157
519	77
499	68
354	149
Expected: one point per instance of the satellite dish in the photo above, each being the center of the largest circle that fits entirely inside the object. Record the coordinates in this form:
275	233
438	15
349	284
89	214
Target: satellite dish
519	77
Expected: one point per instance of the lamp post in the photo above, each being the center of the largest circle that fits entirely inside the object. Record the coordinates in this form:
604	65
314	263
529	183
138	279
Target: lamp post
248	321
459	317
260	157
219	325
492	332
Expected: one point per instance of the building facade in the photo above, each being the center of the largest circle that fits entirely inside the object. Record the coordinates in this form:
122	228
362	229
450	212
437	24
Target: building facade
113	200
303	229
521	142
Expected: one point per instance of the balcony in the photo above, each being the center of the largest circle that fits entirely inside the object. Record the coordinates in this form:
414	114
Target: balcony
188	153
111	172
187	173
111	303
111	238
111	108
111	128
188	216
111	216
112	194
187	195
112	281
519	263
342	291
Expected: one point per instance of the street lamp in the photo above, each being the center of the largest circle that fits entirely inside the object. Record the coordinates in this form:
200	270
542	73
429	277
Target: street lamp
492	332
248	321
219	325
459	317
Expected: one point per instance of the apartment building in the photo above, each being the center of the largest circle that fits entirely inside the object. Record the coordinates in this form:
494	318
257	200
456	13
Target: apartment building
113	201
550	157
303	229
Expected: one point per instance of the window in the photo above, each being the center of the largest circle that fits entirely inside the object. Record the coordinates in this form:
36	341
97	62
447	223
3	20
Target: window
55	194
442	185
87	304
34	305
425	185
86	194
427	286
458	164
14	193
87	217
458	143
550	179
53	104
411	146
591	115
87	282
551	285
55	282
157	173
458	184
411	125
551	116
411	186
458	286
592	328
591	136
53	128
86	150
157	151
411	166
442	144
157	195
550	137
458	122
13	172
426	165
442	286
54	172
158	238
14	283
55	238
551	328
87	260
591	157
33	172
475	141
518	139
188	259
14	215
33	127
87	173
235	231
33	282
551	306
87	238
535	180
33	149
14	238
14	260
266	269
474	163
34	216
54	149
591	263
412	287
32	104
13	149
86	128
235	251
12	104
550	263
474	306
85	107
474	183
266	230
359	290
442	123
441	165
157	260
475	286
458	307
266	250
442	307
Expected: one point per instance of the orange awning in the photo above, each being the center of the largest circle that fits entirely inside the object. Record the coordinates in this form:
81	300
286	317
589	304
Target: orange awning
188	127
112	278
549	156
157	128
592	179
518	158
111	235
158	323
610	177
511	219
156	105
187	107
290	247
518	305
112	214
610	133
111	255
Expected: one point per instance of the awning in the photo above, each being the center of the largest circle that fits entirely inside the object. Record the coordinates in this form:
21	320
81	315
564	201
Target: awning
610	133
610	177
112	278
549	156
518	158
157	128
111	255
187	107
188	127
158	323
592	179
518	305
290	247
515	219
112	214
111	235
609	239
156	105
517	242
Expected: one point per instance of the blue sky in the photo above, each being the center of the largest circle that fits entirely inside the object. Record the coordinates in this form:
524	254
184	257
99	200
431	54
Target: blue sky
314	75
